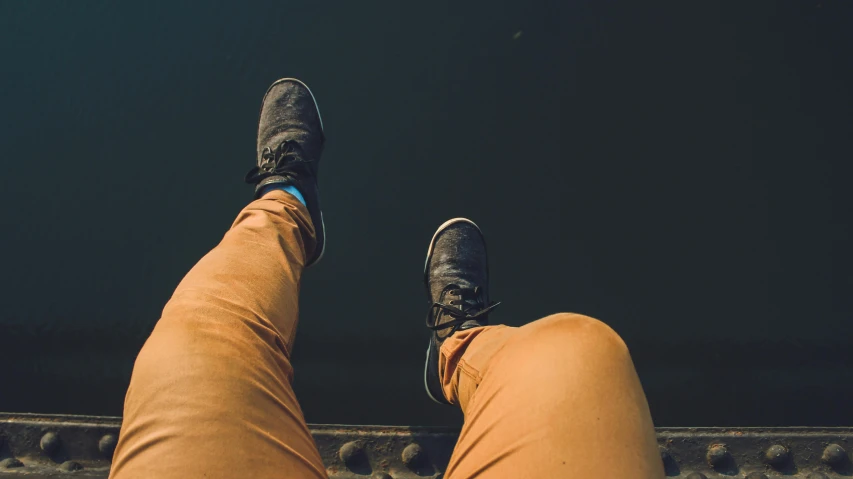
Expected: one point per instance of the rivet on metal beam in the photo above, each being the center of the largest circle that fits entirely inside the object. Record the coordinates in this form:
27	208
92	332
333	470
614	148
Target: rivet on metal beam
50	443
107	445
834	455
756	475
413	456
817	475
696	475
70	466
10	463
352	454
777	456
718	456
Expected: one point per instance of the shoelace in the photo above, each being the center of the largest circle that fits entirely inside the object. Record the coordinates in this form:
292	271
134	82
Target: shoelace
282	161
458	310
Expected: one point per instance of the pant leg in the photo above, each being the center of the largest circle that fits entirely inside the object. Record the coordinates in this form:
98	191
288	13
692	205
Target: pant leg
558	397
210	395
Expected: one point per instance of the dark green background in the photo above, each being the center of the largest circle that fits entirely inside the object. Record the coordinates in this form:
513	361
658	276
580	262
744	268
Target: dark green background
677	169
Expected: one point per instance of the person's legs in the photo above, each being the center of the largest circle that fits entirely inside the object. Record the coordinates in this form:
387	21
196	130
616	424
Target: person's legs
210	394
558	397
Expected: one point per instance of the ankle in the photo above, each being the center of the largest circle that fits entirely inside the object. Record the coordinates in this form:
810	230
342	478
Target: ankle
288	188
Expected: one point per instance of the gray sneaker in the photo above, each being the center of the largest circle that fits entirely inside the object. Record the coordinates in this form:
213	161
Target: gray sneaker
456	276
290	142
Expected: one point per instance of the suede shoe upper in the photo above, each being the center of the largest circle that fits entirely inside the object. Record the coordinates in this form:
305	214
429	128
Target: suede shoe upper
456	276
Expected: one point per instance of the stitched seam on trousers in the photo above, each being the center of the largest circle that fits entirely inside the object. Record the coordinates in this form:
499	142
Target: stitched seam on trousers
475	376
469	371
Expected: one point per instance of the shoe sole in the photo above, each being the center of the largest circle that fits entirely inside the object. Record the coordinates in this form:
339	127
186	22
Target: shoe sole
322	129
430	349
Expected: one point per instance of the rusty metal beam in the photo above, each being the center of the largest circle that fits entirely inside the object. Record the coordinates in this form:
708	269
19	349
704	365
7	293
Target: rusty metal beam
37	445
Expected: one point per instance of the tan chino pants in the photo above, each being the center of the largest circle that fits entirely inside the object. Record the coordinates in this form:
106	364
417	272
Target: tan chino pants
211	397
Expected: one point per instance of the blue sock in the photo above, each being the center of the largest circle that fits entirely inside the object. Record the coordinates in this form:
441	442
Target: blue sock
284	187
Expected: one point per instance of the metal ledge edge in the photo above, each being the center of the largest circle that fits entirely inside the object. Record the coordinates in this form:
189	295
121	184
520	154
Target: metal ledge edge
42	445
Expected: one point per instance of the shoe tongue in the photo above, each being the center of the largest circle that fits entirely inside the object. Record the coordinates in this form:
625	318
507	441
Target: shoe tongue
468	299
463	300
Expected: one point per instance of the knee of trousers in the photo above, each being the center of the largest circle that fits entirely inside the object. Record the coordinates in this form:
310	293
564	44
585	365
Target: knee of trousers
563	346
575	334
